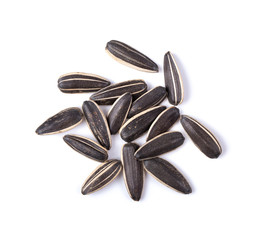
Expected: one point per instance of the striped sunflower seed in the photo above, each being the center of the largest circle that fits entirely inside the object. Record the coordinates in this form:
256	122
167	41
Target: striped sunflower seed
97	123
102	176
86	147
201	136
132	171
167	174
78	82
130	57
150	99
109	94
163	122
118	113
139	124
173	80
160	144
61	122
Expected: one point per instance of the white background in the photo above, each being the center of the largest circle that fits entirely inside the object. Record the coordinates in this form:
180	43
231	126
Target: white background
224	51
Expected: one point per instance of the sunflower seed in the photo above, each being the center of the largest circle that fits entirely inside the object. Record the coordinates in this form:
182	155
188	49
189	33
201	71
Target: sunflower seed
118	113
78	82
150	99
163	122
201	136
133	171
173	80
97	123
61	122
160	144
109	94
139	124
167	174
130	57
86	147
102	176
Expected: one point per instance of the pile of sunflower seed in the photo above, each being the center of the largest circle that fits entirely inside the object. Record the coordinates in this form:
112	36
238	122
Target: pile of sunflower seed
134	112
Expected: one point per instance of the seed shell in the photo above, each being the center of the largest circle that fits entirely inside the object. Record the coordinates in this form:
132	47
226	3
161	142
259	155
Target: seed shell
78	82
97	123
160	144
61	122
150	99
102	176
132	171
129	56
173	80
163	122
167	174
201	136
118	113
107	95
86	147
139	124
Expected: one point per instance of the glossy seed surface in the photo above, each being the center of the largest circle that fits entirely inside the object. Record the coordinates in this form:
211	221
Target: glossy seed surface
173	80
118	112
86	147
129	56
201	136
109	94
160	144
139	124
102	176
61	122
132	171
167	174
78	82
163	122
150	99
97	123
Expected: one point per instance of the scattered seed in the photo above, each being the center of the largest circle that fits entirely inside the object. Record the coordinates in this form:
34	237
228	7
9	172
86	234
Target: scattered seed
150	99
139	124
78	82
201	136
107	95
97	123
61	122
118	113
86	147
102	176
160	144
163	122
131	57
167	174
132	171
173	80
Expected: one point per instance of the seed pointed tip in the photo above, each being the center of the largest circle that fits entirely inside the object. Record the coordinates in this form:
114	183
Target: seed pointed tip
84	192
38	131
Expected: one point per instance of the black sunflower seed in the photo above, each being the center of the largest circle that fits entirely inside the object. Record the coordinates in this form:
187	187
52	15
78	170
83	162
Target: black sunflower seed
109	94
163	122
78	82
167	174
173	80
97	123
118	112
139	124
130	57
160	144
132	171
62	121
86	147
101	176
201	136
150	99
